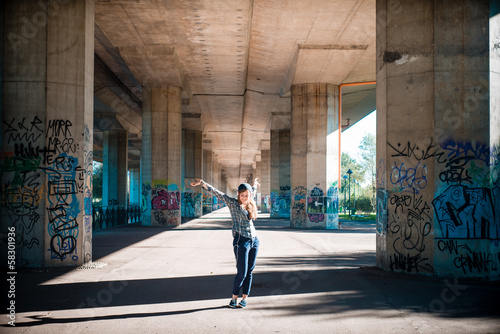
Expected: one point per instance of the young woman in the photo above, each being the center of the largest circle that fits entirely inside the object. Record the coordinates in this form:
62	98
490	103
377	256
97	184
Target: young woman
245	242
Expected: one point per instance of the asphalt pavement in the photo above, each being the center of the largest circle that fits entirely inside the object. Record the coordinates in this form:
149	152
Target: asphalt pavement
178	280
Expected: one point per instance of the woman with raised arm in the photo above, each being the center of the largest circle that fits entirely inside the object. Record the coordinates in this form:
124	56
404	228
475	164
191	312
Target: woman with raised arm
245	242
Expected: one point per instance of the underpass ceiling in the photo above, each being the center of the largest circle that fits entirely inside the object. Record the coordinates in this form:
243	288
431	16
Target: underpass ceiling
235	61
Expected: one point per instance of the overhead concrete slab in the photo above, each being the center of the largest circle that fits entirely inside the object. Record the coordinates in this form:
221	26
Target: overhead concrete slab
237	60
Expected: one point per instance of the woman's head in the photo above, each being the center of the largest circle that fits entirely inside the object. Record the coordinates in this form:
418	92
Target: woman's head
243	196
245	199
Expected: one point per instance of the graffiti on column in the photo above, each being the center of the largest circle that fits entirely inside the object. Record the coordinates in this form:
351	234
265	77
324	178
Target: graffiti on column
299	195
49	150
63	187
165	202
22	185
215	203
408	217
409	178
146	203
316	205
207	202
495	165
86	173
464	212
332	207
465	206
283	202
409	225
381	225
191	204
21	193
88	166
265	203
274	197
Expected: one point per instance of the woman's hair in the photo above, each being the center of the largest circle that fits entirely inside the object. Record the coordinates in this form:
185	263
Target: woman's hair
251	206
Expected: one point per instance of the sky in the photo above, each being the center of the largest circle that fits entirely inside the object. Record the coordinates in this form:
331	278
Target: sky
351	138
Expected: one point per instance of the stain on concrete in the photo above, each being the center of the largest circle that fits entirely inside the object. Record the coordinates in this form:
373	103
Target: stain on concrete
391	57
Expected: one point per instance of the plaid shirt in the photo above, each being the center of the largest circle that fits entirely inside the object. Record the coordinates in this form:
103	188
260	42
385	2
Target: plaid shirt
241	223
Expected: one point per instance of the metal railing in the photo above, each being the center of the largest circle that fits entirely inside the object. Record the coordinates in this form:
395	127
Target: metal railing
115	215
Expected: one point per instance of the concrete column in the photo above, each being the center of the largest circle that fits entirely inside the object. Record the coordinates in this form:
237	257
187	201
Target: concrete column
47	129
193	164
115	167
285	182
250	177
495	98
280	173
258	172
314	164
161	155
275	173
265	182
437	198
135	186
224	185
215	179
207	176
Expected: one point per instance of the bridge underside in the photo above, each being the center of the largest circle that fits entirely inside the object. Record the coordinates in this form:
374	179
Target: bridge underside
163	92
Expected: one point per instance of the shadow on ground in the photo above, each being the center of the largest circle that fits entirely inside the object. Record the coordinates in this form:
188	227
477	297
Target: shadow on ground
341	286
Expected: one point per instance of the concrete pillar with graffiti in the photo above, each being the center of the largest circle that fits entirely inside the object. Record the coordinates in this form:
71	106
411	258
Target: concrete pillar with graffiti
438	189
280	173
161	156
314	158
47	128
192	201
207	176
216	204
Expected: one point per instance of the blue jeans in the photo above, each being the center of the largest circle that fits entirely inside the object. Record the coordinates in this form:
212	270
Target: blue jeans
245	251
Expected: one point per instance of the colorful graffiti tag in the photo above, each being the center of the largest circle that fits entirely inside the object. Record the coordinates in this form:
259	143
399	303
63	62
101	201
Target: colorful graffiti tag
462	217
44	165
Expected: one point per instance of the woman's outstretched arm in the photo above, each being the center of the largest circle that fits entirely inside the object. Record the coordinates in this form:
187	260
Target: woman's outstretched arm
219	194
254	188
197	182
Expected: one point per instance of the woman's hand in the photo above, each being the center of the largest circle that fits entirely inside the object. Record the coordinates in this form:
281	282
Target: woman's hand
256	183
197	182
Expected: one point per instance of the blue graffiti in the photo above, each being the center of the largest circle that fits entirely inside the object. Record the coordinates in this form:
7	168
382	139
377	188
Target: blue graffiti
471	213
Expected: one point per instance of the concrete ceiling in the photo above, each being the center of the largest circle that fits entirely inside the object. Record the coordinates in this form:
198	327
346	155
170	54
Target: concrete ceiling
235	60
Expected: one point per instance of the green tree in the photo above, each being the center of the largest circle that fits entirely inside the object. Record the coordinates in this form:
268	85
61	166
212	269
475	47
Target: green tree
346	163
368	149
97	178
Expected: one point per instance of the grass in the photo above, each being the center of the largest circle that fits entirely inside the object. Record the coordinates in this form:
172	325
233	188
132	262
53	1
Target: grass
365	217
